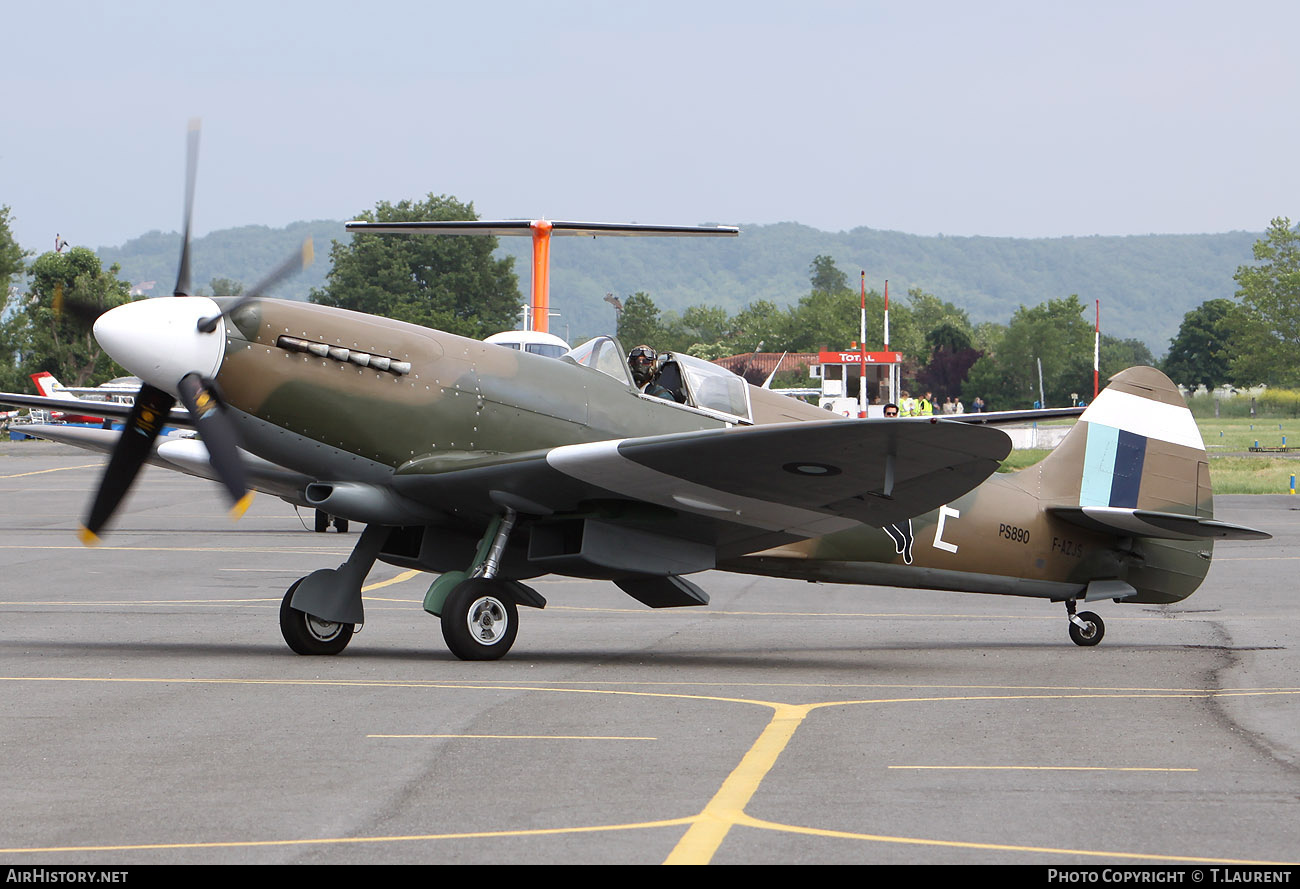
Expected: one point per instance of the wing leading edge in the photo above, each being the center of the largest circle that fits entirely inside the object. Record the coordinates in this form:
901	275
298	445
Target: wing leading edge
736	489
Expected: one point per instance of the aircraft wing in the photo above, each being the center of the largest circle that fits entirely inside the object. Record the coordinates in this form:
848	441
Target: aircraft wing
117	410
736	489
181	454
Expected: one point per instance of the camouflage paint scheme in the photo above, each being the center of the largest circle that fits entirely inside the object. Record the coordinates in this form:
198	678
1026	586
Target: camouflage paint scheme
444	445
463	405
465	401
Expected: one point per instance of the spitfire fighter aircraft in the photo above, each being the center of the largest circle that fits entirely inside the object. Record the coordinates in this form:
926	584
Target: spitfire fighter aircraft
489	466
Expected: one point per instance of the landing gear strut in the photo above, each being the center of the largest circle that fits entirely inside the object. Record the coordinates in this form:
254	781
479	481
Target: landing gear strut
321	611
307	634
479	611
479	621
1086	628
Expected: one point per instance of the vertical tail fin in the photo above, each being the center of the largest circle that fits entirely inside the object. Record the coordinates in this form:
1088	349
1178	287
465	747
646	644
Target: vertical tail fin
1135	447
49	386
1134	470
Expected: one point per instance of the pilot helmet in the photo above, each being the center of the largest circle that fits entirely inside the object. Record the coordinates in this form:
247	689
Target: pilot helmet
642	362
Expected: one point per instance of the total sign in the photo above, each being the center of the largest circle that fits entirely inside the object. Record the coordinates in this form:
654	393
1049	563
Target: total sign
858	357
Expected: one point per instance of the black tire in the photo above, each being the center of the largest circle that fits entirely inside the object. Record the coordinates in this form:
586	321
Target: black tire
310	635
340	525
479	621
322	522
1091	636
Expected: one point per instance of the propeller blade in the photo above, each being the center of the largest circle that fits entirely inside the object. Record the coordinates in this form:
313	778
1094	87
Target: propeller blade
73	307
191	171
294	264
143	425
200	398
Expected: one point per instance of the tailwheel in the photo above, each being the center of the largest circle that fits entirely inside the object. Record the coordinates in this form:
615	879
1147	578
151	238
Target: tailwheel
1086	628
479	621
307	634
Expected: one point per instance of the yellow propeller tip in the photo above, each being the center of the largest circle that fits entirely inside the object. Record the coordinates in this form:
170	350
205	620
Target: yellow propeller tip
241	506
87	537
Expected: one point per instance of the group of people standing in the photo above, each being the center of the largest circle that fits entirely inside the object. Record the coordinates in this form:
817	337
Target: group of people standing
909	406
925	406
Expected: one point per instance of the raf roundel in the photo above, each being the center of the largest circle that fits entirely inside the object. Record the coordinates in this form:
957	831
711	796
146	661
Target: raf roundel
817	470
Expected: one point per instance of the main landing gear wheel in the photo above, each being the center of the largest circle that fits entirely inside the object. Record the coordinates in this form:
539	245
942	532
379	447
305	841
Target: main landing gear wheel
1092	633
479	622
311	635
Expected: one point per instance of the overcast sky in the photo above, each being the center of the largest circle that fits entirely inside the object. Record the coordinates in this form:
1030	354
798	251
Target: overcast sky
1027	119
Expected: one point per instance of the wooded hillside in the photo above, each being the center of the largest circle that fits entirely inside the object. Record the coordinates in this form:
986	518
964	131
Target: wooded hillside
1146	283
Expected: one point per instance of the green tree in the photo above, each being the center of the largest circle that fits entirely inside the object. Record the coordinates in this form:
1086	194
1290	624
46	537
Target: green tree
826	276
1054	332
763	324
951	358
1117	354
931	313
50	330
824	320
449	283
11	255
948	336
706	323
711	351
11	264
1200	354
911	324
1268	349
639	324
831	320
987	336
225	287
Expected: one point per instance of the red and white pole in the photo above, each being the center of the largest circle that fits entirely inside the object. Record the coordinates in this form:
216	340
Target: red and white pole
893	383
862	344
1096	355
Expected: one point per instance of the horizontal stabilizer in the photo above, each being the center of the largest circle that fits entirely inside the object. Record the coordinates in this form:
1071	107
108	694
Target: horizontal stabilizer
1149	523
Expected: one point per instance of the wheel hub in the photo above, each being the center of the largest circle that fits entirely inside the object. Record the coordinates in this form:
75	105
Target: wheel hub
487	620
322	630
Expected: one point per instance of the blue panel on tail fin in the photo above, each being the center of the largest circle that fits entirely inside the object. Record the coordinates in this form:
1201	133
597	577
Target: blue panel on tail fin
1098	465
1129	457
1112	467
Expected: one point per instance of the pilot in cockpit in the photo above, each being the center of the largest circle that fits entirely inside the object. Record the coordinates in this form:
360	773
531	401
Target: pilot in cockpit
644	363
